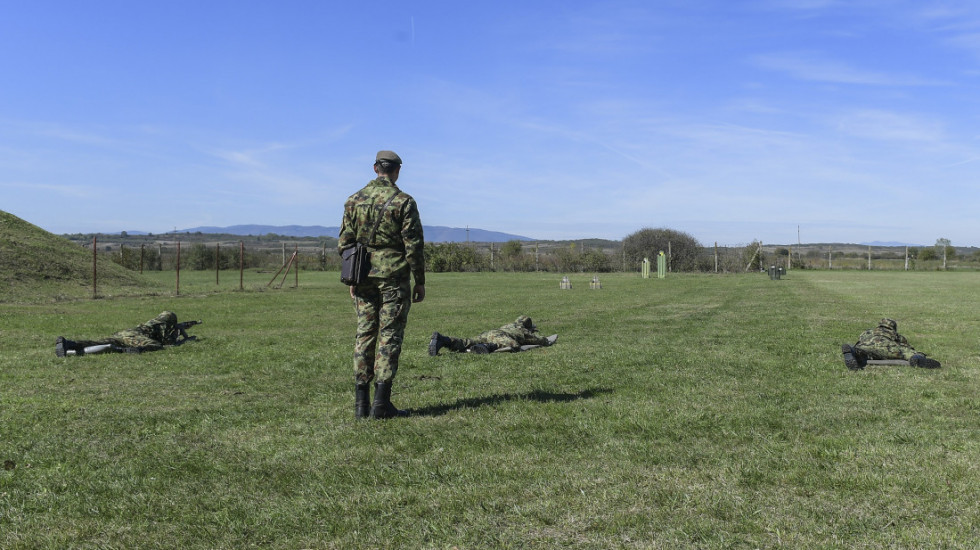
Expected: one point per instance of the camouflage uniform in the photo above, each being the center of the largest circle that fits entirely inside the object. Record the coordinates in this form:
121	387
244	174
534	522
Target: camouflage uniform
884	342
384	299
519	333
149	336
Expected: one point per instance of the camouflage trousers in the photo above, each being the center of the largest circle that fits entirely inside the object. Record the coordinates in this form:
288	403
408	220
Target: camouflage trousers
382	312
884	348
129	338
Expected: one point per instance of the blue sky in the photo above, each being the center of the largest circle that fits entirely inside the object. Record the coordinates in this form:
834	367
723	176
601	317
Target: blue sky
827	121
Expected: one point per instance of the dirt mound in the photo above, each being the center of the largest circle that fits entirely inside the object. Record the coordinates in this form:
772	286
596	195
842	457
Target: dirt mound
36	265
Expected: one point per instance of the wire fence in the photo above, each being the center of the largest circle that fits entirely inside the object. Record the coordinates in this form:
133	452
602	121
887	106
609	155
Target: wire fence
558	257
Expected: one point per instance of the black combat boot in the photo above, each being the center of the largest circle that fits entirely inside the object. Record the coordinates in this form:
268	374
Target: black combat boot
851	357
63	345
859	357
382	407
438	342
362	400
920	360
482	349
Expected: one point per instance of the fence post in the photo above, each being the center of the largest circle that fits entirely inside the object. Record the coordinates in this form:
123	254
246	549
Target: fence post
241	265
217	261
178	268
95	269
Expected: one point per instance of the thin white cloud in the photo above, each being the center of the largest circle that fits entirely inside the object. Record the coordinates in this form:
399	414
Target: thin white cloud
812	67
946	16
969	42
889	126
962	162
61	191
801	5
253	157
606	30
72	135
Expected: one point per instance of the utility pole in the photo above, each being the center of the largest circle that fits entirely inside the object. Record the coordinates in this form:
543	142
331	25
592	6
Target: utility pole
799	247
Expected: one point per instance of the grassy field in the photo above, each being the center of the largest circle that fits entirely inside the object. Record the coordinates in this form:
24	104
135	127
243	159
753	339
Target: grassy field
699	411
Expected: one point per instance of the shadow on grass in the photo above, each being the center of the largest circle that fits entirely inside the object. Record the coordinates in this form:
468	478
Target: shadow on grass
492	400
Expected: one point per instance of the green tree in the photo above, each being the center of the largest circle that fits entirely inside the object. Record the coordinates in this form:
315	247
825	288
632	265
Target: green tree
754	257
126	257
945	247
512	257
647	243
596	261
511	249
450	257
567	260
199	257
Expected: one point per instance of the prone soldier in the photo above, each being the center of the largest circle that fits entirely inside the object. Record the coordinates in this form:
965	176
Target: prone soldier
884	343
516	336
162	330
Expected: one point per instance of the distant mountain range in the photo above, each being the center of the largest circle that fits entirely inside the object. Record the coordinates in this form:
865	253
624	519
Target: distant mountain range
890	243
433	233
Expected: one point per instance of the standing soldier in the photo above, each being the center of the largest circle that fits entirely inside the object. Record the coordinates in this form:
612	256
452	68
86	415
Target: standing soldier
382	301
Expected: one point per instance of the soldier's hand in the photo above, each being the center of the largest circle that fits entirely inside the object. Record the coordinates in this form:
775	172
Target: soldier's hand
418	293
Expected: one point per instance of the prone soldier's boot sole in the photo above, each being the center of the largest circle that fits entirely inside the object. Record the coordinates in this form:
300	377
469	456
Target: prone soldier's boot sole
923	362
850	359
434	344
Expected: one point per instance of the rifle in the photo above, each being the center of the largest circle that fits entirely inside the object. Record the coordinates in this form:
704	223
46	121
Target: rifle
182	331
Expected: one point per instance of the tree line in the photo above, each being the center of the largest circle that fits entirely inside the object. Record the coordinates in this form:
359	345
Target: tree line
683	253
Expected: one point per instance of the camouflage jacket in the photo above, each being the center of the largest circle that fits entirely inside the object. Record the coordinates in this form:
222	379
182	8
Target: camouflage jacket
157	332
884	342
397	248
514	334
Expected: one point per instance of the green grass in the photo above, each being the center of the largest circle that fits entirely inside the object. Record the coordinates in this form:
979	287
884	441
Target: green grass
699	411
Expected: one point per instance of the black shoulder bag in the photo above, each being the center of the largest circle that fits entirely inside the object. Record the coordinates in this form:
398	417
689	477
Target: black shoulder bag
354	262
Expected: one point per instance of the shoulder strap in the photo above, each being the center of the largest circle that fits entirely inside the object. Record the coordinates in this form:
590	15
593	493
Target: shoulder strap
377	222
